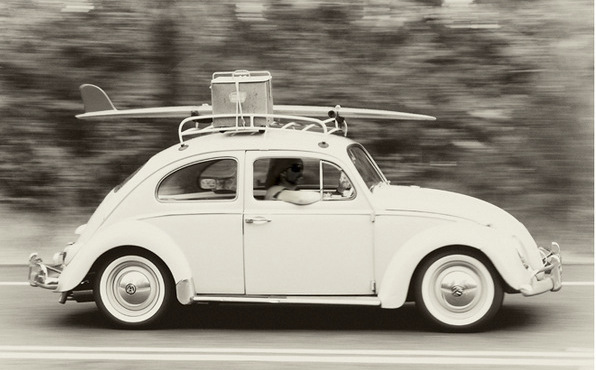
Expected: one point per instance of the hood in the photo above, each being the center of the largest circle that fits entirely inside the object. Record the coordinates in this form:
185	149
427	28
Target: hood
447	204
439	202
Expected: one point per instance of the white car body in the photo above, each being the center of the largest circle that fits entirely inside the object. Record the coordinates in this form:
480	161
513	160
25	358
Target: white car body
366	249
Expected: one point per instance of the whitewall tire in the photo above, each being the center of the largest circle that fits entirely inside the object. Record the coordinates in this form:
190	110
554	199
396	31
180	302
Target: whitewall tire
458	290
133	290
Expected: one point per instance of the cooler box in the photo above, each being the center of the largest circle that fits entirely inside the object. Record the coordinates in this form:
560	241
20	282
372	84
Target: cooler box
240	94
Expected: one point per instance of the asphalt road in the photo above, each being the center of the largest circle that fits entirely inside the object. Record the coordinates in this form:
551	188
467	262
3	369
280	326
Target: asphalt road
554	330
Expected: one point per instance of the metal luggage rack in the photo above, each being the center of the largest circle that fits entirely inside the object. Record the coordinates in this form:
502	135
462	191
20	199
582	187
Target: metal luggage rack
246	123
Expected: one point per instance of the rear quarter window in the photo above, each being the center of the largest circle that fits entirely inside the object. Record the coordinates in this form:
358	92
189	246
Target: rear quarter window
208	180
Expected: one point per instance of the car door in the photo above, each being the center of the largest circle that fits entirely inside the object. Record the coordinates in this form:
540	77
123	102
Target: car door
324	248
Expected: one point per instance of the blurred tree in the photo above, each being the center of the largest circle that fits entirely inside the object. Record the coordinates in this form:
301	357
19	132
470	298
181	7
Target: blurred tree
510	82
165	30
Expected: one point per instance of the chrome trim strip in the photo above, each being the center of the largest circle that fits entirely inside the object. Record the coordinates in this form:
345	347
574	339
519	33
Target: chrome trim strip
339	300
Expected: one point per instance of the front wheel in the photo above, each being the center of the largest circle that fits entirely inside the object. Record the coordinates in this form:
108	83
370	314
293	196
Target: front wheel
458	290
133	290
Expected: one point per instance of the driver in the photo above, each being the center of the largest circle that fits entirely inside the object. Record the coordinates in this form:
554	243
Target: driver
283	178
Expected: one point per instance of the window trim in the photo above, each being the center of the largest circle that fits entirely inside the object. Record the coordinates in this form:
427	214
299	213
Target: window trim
321	180
304	156
370	160
236	196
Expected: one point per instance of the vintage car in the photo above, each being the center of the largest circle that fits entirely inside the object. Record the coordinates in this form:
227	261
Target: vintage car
197	222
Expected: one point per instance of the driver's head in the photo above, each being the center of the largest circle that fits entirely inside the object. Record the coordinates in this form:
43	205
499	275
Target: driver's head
293	173
288	169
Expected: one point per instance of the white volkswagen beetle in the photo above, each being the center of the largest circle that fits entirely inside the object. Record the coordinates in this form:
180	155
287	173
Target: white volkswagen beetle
199	223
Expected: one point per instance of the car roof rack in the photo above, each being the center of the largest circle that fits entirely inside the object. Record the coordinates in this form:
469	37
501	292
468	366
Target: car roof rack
249	124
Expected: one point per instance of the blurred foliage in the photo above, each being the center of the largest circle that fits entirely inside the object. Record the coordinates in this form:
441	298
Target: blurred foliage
511	83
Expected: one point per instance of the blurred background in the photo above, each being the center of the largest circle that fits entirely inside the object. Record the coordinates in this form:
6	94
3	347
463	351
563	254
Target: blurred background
510	82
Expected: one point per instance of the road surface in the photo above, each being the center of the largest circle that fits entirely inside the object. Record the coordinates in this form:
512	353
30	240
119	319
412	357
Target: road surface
553	330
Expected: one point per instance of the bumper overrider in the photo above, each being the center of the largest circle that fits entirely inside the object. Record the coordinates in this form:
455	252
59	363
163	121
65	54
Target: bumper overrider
549	277
43	275
47	276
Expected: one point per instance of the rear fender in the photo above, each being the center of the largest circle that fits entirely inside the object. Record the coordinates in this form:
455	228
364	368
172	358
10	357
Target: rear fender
129	233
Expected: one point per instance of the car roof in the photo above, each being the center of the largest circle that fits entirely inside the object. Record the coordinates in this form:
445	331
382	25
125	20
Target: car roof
272	139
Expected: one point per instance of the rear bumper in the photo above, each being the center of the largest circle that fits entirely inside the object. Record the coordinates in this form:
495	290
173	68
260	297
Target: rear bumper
43	275
549	277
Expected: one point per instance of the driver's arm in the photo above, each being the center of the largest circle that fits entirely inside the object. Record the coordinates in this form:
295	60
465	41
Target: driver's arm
300	197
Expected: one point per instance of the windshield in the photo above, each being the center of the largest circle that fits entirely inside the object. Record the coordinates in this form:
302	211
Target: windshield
366	167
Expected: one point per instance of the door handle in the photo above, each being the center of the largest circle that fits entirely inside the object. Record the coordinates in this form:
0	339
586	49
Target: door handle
257	220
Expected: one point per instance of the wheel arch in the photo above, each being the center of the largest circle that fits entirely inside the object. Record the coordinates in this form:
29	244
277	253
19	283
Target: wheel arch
454	249
117	239
123	250
494	247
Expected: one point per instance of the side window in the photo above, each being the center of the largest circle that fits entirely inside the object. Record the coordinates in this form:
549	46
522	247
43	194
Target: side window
308	174
209	180
268	173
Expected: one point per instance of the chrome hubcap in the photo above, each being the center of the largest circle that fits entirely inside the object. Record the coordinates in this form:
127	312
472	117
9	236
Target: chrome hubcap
458	289
134	287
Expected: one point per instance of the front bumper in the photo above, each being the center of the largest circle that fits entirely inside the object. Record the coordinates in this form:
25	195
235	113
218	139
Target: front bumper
43	275
549	277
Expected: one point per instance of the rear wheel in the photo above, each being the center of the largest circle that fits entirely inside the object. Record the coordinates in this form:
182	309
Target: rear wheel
458	290
133	290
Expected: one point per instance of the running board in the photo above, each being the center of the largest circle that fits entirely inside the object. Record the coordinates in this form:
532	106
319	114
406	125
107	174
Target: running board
338	300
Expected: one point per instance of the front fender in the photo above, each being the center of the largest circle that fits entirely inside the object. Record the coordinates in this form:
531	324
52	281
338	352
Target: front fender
120	234
498	247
